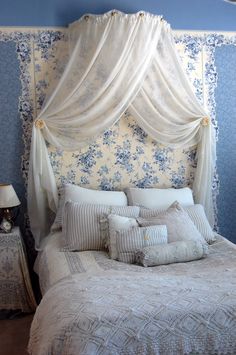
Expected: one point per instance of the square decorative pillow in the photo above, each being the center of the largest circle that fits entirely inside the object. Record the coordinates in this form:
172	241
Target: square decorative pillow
79	194
195	212
81	227
176	252
110	225
159	198
179	225
130	240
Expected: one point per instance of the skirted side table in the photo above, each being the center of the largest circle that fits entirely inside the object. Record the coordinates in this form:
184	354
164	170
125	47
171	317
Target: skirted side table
15	286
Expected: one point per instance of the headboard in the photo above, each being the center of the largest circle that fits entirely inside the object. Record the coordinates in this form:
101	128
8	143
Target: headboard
124	156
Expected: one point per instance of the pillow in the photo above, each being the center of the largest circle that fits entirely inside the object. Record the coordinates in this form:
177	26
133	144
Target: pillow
179	224
129	241
195	212
177	252
199	218
159	198
81	195
113	223
81	228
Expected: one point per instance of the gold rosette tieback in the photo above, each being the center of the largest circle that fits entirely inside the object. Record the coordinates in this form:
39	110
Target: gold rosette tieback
205	121
39	123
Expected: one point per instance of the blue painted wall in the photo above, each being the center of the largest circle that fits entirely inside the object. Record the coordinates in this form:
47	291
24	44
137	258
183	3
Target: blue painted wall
225	95
213	15
11	127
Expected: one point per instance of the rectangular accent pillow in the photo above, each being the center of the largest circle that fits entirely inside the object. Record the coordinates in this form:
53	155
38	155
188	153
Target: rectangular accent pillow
80	194
179	225
195	212
159	198
81	227
110	224
129	241
177	252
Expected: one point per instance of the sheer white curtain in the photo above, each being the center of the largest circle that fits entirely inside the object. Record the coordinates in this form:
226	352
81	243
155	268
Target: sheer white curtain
116	60
167	109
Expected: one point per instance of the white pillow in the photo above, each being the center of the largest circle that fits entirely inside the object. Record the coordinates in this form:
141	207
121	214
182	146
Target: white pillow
79	194
179	224
159	198
195	212
130	240
81	227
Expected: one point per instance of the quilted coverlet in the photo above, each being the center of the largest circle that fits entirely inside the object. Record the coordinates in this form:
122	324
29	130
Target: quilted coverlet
94	305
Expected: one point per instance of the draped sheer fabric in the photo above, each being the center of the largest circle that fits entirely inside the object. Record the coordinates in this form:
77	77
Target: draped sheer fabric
118	61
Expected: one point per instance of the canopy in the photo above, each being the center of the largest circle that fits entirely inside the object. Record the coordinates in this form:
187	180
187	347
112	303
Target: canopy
118	61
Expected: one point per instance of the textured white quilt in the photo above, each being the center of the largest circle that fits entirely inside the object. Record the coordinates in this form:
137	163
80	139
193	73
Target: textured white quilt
94	305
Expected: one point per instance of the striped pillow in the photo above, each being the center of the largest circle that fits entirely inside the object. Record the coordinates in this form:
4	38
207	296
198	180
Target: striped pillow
131	240
196	214
81	228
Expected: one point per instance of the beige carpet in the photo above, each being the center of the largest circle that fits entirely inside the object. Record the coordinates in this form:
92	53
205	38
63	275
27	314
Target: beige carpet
14	335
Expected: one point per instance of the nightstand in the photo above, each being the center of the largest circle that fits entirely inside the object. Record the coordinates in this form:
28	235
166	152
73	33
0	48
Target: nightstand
15	286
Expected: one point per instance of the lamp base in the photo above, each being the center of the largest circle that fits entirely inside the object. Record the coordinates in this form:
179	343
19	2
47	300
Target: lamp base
6	225
6	220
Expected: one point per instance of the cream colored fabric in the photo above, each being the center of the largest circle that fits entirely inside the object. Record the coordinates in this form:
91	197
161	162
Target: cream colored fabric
118	61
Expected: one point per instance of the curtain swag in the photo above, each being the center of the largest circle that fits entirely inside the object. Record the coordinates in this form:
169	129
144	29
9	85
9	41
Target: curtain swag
118	61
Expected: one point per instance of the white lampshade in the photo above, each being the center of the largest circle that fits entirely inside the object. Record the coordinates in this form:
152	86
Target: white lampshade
8	196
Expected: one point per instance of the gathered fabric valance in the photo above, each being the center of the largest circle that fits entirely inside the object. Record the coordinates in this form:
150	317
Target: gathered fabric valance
118	61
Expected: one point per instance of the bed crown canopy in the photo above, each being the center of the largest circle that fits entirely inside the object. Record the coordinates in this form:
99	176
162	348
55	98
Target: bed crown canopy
118	61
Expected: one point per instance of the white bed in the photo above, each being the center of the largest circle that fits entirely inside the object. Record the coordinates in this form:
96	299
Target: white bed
94	305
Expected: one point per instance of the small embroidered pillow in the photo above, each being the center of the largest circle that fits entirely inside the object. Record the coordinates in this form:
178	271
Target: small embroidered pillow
179	224
196	214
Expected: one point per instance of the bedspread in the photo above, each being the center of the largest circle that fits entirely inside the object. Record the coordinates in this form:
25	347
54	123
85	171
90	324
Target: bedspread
99	306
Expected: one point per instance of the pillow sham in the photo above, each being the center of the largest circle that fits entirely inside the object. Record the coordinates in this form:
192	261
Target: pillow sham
110	225
159	198
81	227
129	241
177	252
80	194
179	225
196	214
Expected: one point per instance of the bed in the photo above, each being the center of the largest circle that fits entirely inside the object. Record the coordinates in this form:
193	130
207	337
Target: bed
94	305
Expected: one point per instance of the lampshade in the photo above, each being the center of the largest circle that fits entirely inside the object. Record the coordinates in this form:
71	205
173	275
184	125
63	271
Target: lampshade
8	196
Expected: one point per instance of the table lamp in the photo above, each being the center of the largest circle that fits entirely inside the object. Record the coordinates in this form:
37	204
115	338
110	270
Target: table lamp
8	200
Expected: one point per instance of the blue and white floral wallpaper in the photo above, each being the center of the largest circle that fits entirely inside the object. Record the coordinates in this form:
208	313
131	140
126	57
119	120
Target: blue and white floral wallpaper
124	155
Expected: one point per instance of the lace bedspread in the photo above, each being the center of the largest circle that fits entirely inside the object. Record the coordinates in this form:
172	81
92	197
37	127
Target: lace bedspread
93	305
